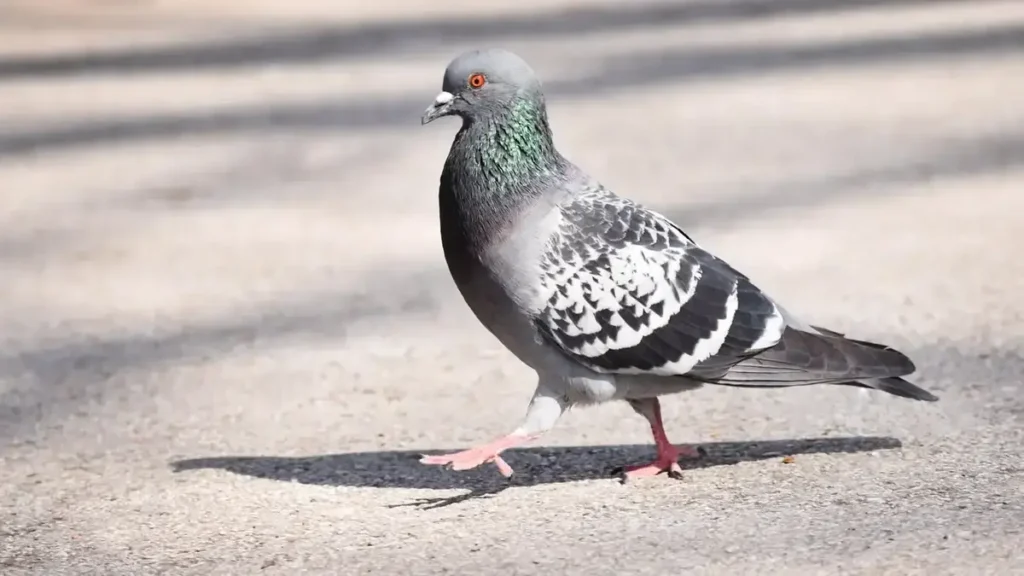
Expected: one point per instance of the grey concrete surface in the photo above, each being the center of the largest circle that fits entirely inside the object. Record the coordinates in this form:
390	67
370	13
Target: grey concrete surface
226	329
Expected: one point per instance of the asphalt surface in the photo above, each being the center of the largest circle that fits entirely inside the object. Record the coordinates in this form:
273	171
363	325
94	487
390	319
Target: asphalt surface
227	332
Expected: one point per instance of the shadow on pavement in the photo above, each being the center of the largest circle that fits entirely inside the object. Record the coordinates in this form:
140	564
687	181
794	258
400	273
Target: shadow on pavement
631	71
533	466
310	44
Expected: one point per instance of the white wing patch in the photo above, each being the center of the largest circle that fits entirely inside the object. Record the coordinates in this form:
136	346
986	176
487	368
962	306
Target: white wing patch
706	347
774	326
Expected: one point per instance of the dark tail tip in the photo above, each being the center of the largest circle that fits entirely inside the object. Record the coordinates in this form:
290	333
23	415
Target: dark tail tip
902	388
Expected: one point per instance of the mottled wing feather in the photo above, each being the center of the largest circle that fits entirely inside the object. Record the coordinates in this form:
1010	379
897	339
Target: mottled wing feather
626	291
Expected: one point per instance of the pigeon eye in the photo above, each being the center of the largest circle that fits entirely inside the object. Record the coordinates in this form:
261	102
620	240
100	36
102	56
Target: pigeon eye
477	80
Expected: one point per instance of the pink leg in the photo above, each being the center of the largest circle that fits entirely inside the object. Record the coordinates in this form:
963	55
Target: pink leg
478	455
544	410
668	455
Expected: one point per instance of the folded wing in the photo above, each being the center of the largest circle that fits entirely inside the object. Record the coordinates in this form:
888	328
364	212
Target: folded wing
627	292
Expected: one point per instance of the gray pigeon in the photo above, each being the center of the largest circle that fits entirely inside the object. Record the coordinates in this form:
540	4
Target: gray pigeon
605	299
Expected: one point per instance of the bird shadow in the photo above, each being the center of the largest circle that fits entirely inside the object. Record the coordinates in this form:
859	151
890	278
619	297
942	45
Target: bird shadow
533	466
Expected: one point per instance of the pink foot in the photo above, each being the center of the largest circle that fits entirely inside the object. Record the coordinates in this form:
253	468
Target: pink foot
668	455
668	461
474	457
648	470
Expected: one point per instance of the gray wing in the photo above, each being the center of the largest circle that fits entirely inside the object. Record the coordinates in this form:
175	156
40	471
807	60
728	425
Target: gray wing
629	292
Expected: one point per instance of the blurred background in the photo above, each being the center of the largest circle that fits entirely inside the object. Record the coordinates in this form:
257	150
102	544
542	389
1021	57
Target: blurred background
223	299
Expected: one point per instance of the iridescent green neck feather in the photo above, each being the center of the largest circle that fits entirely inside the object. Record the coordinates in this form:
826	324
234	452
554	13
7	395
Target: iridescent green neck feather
516	146
498	164
506	148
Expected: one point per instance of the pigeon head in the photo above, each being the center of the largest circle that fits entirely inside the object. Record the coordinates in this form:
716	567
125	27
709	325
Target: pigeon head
484	84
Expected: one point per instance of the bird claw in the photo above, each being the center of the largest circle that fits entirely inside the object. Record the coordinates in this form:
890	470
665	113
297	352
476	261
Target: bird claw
675	472
666	462
671	468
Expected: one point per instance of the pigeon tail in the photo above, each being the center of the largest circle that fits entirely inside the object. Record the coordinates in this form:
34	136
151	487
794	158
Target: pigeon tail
804	358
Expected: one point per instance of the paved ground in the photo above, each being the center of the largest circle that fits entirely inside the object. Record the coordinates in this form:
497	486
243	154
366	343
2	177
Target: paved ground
226	330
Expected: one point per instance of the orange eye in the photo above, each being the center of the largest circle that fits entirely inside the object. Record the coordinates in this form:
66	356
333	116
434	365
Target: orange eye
477	80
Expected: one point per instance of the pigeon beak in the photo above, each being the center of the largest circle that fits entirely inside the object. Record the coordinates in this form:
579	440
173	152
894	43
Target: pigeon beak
441	107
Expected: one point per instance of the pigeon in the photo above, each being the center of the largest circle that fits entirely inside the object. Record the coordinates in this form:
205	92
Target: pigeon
605	299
